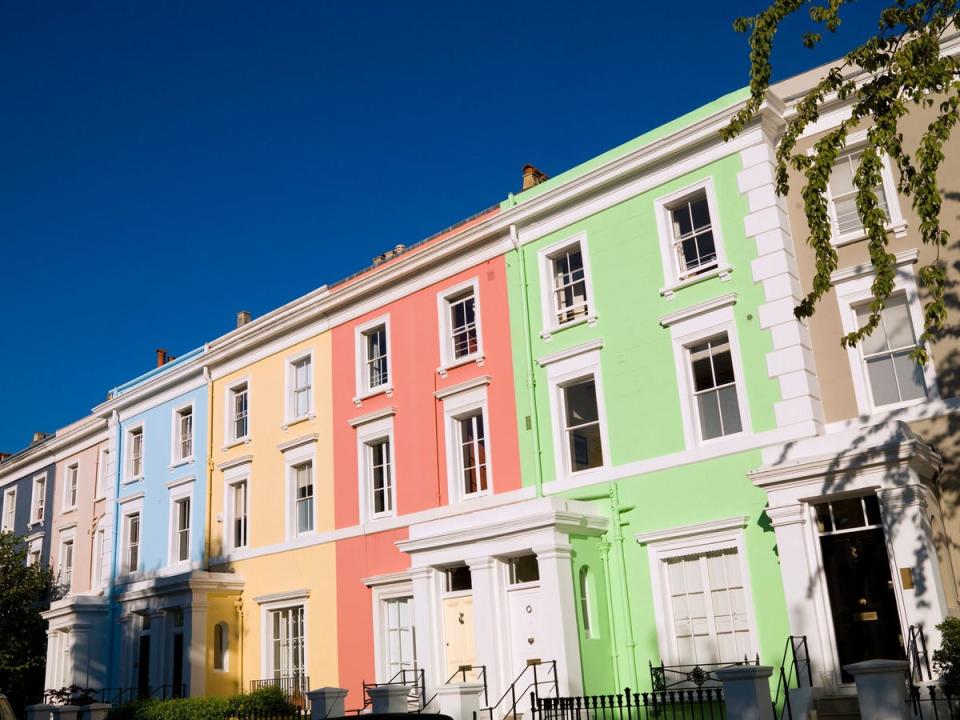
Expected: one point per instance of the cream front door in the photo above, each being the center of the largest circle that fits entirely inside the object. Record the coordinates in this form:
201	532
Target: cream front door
458	633
525	627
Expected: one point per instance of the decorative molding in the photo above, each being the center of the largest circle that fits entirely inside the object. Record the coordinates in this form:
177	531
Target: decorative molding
904	257
139	495
301	594
297	442
185	480
387	579
691	531
704	307
462	387
570	352
372	416
242	460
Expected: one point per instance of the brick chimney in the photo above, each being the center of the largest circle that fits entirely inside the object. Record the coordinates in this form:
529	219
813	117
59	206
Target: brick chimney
531	177
243	317
161	357
389	254
4	456
38	436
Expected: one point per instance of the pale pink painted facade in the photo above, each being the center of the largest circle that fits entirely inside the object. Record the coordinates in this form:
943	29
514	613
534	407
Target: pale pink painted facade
419	440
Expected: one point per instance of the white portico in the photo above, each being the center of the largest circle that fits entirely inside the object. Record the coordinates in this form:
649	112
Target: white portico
492	588
858	524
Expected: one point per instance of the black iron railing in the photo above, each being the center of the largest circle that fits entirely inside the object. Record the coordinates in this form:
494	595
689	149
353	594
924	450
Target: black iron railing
931	702
794	667
691	677
917	655
532	678
117	695
294	687
414	677
701	703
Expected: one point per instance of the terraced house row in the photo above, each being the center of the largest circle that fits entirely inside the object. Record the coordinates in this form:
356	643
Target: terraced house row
582	427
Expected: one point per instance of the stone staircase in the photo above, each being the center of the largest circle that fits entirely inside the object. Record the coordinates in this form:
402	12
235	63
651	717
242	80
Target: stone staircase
837	707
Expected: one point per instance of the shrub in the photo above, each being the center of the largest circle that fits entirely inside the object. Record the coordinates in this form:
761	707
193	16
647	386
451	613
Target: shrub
946	659
267	700
270	700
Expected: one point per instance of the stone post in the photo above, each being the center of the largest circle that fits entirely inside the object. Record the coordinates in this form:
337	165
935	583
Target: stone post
461	700
746	692
881	689
326	702
389	698
66	712
39	712
97	711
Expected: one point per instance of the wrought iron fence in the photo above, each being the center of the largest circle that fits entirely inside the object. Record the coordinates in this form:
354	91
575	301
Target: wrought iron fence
294	687
690	677
114	696
293	714
704	703
931	702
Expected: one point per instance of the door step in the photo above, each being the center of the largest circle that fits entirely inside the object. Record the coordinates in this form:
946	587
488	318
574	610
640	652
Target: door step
838	707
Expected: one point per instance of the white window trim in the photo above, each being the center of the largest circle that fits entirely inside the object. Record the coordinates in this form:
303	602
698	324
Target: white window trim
10	501
289	378
367	433
360	360
691	329
853	287
456	407
129	506
100	484
181	491
297	455
229	439
35	498
564	369
97	581
295	599
672	281
545	262
67	536
381	594
242	472
896	223
445	325
67	472
689	540
128	451
175	460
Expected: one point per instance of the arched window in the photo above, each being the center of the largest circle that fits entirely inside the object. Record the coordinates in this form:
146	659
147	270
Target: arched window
586	602
221	643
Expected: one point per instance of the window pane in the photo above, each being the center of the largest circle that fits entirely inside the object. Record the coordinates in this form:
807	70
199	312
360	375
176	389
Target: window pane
586	448
883	381
524	569
459	578
581	402
824	523
897	322
682	222
872	506
730	410
909	376
847	513
700	212
877	340
722	362
708	405
702	367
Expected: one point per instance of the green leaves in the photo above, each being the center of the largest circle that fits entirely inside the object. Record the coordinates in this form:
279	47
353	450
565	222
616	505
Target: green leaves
897	71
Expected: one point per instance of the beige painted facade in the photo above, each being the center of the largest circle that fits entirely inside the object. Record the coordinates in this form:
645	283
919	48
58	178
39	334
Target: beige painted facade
280	567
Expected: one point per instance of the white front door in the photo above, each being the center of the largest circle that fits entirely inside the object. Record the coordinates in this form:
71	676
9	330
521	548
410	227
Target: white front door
526	637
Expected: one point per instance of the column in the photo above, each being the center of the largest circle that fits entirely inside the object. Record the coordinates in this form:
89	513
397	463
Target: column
556	585
158	654
800	572
487	613
428	635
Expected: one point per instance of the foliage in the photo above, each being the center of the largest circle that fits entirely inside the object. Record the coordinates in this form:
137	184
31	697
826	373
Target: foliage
266	701
72	695
25	591
897	70
946	658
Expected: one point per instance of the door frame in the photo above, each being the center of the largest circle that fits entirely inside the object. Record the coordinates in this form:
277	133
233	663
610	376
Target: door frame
395	589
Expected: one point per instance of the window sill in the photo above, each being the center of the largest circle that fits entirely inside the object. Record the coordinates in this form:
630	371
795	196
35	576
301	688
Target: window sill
898	229
458	593
236	443
180	463
547	333
68	510
382	390
478	358
722	272
296	421
130	481
467	497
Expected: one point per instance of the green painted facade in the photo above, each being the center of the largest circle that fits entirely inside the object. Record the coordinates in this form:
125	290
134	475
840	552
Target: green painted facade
643	415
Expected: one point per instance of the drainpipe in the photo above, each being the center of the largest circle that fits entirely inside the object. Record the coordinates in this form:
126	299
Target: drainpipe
238	604
615	535
115	544
209	533
530	379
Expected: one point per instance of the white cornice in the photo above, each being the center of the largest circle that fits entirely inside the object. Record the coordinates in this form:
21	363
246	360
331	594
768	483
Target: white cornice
372	416
298	441
904	257
586	347
300	594
704	307
387	579
690	531
462	387
242	460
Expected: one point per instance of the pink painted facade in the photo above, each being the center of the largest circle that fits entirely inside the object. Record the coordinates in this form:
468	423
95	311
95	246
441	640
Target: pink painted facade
415	406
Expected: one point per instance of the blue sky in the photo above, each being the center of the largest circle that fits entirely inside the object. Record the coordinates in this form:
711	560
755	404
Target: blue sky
165	164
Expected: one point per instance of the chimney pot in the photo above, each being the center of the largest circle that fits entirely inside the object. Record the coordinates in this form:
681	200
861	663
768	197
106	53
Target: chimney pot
38	436
243	317
161	357
531	177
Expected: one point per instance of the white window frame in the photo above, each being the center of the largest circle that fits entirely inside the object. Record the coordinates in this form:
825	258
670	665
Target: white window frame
175	457
895	220
545	257
9	509
445	325
229	406
38	500
382	594
673	278
364	390
852	286
294	457
96	562
298	598
35	549
179	492
67	537
567	368
693	326
368	433
456	407
586	592
103	468
224	655
233	476
689	540
128	476
290	377
129	507
71	486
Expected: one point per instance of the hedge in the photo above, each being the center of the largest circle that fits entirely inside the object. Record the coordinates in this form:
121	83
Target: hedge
269	700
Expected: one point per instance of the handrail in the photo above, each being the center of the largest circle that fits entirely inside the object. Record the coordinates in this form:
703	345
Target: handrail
783	682
917	654
511	690
462	671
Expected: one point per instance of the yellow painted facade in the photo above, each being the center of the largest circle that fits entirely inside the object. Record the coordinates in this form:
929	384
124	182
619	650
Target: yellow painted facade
273	563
